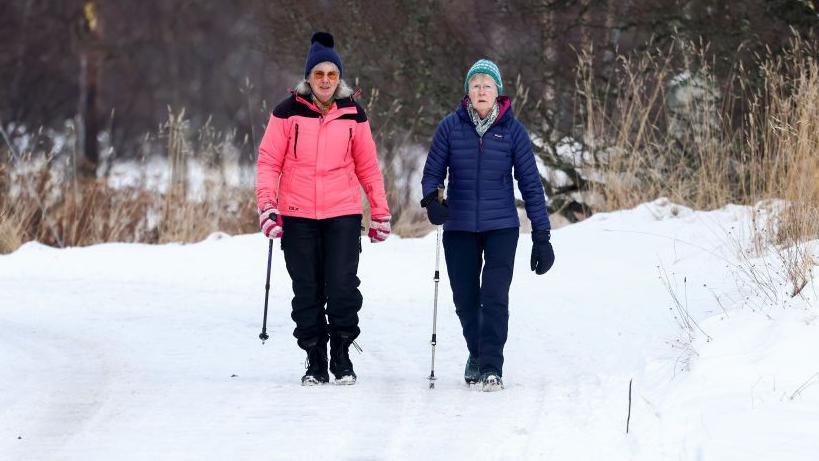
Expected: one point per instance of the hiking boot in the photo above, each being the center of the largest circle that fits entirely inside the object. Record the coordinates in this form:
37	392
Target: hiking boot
340	364
491	382
316	364
472	372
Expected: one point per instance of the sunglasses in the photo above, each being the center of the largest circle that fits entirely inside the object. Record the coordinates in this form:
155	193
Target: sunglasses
319	75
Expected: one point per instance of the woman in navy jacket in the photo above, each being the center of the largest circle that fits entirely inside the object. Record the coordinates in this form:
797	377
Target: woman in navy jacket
479	146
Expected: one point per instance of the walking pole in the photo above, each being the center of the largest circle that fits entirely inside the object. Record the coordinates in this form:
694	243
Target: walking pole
437	278
263	335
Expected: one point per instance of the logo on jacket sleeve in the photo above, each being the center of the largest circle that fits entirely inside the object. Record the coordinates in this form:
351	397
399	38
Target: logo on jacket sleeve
499	136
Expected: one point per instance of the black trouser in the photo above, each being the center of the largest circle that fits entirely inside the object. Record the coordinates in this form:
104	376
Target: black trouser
482	297
322	259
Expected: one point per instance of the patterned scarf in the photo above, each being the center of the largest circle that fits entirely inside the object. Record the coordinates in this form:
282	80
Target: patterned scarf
482	125
323	108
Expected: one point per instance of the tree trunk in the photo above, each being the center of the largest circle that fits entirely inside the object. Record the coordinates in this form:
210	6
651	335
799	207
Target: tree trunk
615	9
585	20
90	40
22	48
548	61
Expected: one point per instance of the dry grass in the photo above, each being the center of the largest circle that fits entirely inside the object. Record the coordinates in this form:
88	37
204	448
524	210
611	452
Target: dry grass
229	210
85	213
42	201
678	132
782	132
671	129
646	141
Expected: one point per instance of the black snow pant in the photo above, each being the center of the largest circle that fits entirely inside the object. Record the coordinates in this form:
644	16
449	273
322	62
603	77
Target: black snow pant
321	256
482	296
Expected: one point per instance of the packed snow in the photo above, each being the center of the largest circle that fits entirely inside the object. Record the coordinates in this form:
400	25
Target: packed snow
126	351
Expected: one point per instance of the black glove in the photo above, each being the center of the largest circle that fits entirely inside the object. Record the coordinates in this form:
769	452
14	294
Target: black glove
543	256
437	212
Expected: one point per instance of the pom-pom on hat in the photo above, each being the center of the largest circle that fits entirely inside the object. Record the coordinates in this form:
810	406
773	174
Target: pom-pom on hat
321	50
484	66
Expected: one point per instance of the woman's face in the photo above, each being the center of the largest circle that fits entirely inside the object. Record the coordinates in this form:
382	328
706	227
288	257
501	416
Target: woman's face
482	93
324	81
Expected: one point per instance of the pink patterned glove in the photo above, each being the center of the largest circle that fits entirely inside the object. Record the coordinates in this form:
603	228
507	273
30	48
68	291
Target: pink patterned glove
270	222
379	228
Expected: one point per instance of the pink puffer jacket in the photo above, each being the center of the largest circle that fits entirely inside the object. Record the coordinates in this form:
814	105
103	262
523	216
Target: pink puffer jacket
314	166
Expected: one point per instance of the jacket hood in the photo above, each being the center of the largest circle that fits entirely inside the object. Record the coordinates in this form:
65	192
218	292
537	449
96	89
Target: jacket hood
342	91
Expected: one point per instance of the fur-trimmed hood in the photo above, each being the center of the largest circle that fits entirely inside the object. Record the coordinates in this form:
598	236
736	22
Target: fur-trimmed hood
342	91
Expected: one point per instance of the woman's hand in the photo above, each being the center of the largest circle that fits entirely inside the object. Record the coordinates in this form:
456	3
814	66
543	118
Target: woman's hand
379	228
543	255
437	211
270	222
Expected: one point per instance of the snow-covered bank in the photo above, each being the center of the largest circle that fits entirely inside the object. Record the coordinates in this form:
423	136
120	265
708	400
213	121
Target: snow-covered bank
151	352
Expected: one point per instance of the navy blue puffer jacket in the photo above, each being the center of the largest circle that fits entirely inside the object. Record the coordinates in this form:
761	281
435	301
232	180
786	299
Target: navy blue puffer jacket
479	188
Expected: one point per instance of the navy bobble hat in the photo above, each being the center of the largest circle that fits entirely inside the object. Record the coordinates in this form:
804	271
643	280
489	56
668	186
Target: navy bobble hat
321	50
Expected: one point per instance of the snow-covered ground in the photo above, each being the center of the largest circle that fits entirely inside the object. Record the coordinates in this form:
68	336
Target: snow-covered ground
151	352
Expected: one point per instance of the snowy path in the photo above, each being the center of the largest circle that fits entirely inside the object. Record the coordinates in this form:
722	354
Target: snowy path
140	352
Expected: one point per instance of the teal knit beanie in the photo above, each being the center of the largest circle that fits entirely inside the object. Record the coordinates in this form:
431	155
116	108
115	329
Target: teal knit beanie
485	66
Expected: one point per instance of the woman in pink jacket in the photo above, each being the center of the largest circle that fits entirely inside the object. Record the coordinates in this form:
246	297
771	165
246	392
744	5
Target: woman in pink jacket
316	155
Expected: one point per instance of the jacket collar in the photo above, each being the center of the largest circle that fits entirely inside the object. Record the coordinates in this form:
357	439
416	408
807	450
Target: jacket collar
341	106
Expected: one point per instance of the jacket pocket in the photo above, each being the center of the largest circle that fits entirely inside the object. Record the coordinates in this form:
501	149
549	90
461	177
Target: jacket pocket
354	187
296	142
349	146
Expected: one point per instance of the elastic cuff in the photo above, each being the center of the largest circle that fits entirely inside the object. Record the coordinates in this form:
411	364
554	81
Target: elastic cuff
268	206
427	198
541	235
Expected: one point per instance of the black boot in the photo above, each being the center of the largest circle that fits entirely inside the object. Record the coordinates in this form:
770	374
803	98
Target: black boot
340	364
472	371
491	382
316	363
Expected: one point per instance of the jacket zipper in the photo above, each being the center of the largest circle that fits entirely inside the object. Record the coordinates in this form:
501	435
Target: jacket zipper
315	167
296	142
478	186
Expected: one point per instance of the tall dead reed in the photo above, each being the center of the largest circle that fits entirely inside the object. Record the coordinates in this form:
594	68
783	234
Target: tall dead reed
667	126
41	200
